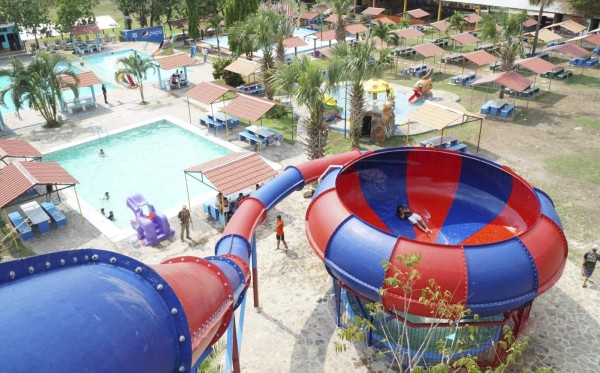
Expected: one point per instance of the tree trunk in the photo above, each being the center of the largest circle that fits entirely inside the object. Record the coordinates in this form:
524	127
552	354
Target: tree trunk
537	28
141	85
357	113
127	19
501	93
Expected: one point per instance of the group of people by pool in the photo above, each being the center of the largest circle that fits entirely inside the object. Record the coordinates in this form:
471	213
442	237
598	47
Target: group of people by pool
176	78
111	215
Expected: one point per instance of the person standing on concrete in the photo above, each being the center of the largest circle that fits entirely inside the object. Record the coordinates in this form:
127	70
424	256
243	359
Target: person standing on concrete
185	218
204	54
589	264
279	232
104	93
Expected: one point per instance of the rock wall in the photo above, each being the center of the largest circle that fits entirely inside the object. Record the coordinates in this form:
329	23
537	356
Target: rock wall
382	120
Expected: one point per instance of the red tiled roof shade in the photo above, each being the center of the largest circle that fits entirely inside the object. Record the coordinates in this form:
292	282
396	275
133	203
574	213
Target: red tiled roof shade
243	67
428	50
529	22
383	20
508	79
86	79
333	18
547	35
536	64
209	92
85	29
17	149
174	61
473	18
19	177
465	38
480	58
569	25
371	11
570	50
418	13
235	171
590	38
326	35
294	42
248	107
308	15
441	25
409	33
326	52
356	28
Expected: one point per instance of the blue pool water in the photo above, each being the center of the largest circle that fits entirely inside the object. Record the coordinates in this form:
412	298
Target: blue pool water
149	160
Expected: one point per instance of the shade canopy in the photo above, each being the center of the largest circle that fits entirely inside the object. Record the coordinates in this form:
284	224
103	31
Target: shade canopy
243	67
376	86
209	92
174	61
590	38
480	58
326	52
570	50
509	79
465	38
438	116
473	18
294	42
249	107
547	36
308	15
418	13
409	33
106	22
86	79
383	20
356	28
371	11
332	18
234	172
428	50
18	177
569	25
17	149
85	29
536	64
529	23
441	25
326	35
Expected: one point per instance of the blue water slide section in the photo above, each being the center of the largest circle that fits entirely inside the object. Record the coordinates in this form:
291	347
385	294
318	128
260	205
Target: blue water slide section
234	275
280	187
354	255
547	205
500	276
383	185
327	181
235	245
124	324
481	195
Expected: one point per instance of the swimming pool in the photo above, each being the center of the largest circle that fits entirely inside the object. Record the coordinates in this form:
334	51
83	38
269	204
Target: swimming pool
148	159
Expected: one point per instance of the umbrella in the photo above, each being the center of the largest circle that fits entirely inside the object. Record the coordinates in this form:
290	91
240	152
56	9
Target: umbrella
329	100
377	86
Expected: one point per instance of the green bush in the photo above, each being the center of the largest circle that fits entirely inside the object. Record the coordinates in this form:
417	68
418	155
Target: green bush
219	72
277	111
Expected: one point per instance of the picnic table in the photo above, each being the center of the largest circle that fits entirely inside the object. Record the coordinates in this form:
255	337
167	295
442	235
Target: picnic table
447	142
260	135
440	42
463	79
252	88
403	51
219	121
415	70
453	58
37	216
81	103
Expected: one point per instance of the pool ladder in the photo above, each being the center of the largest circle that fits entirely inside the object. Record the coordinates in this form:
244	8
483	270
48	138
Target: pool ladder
100	131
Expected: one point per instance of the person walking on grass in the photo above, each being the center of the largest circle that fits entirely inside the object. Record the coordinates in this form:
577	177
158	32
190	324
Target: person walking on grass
279	232
589	264
185	218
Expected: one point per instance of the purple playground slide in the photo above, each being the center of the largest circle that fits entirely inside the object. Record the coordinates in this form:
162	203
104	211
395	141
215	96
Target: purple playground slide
151	228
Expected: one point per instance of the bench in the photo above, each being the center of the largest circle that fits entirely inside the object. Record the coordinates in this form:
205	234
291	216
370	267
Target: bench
21	225
485	109
507	111
214	213
60	220
251	138
79	104
590	62
458	147
565	74
209	122
596	50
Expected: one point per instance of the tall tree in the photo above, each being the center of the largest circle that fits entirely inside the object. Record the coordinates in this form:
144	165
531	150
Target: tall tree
542	4
587	7
68	12
303	81
340	9
239	10
457	22
215	24
193	18
360	65
240	39
136	66
38	85
385	32
33	15
282	29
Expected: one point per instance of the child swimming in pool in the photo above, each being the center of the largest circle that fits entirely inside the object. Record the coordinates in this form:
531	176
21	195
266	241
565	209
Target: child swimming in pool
415	219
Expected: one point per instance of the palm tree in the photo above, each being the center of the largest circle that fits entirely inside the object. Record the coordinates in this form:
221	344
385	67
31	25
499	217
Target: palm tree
136	66
360	66
38	85
241	41
282	29
340	8
303	81
385	32
457	22
542	4
215	24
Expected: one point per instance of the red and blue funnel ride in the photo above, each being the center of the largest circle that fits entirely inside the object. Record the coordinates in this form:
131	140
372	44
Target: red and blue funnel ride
497	242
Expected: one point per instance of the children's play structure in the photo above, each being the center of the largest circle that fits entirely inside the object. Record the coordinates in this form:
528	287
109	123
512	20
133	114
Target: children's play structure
422	89
497	243
166	47
151	226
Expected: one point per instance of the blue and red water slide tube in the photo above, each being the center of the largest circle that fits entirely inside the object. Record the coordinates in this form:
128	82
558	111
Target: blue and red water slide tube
497	244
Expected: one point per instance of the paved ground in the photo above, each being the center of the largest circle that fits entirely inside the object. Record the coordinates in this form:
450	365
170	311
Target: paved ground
294	331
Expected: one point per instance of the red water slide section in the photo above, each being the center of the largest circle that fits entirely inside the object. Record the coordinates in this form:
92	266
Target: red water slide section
414	98
312	170
446	259
245	220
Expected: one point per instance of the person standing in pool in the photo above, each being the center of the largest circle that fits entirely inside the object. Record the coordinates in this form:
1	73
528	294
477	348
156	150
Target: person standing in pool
101	153
414	218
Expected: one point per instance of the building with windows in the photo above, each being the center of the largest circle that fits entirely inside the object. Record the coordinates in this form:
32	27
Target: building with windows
9	38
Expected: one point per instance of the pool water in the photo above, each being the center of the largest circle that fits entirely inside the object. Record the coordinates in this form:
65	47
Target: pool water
148	160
